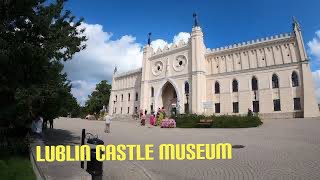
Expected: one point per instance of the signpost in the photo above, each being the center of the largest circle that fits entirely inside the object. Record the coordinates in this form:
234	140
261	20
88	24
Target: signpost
207	105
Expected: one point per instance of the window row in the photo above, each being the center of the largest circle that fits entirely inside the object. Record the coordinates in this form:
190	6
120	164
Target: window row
256	108
254	83
129	97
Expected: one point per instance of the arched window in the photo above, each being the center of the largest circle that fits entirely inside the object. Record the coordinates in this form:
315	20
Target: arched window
116	98
137	96
186	88
275	81
152	92
294	79
121	97
217	88
235	86
254	84
128	96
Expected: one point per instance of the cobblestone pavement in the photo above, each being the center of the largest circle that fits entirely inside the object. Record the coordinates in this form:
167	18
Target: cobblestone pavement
279	149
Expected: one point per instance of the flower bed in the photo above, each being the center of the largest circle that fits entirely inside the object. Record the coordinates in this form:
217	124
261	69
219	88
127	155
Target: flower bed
168	123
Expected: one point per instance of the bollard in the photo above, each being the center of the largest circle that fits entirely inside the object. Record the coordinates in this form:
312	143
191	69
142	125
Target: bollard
83	136
94	167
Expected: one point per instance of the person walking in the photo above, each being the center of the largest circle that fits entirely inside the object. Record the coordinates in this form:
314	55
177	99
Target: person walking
143	120
51	123
152	119
108	120
36	126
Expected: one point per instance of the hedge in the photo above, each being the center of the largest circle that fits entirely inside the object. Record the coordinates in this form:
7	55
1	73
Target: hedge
224	121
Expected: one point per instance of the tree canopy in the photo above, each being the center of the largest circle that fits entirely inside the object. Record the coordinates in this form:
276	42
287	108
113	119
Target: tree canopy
99	97
35	37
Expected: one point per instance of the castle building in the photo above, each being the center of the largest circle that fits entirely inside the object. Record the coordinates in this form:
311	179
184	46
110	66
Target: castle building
270	76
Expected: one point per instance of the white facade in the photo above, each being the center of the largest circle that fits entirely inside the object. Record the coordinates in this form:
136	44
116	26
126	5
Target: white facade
270	76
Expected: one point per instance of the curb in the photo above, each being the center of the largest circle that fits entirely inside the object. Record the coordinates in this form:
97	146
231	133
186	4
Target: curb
37	171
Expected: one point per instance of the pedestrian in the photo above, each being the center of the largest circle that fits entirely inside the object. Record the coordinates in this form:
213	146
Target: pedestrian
108	120
152	119
249	112
36	126
143	120
51	123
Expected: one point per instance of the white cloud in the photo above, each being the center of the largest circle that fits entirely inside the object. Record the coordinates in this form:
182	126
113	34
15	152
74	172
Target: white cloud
314	50
160	43
81	89
314	46
97	61
181	36
316	80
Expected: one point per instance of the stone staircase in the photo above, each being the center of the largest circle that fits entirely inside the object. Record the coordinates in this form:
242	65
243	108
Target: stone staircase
122	117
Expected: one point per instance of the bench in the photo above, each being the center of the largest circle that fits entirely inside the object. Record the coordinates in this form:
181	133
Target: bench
205	122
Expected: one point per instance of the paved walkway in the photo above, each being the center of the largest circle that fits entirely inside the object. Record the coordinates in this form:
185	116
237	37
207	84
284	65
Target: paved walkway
279	149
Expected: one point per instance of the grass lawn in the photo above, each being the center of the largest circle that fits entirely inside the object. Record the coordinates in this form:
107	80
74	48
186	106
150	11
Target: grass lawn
16	168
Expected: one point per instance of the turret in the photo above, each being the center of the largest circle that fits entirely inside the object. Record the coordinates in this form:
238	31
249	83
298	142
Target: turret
147	53
310	105
112	96
198	93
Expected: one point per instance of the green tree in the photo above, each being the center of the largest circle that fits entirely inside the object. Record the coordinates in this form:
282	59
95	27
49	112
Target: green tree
99	97
35	36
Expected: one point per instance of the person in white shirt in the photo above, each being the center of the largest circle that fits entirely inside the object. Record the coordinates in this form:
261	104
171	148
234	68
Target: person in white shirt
108	120
36	126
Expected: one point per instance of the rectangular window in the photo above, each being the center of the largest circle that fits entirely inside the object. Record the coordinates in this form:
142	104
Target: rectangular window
151	108
136	109
128	110
217	107
235	107
255	105
136	96
296	103
276	105
115	110
121	110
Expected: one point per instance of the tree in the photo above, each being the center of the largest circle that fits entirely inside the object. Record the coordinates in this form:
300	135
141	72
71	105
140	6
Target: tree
35	37
99	97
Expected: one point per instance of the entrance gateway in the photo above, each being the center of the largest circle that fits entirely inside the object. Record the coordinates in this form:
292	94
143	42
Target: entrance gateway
167	98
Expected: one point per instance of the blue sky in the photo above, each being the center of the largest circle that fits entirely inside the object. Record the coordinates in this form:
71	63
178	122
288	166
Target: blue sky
126	24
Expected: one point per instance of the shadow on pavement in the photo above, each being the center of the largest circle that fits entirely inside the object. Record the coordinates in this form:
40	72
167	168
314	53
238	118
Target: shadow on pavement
60	137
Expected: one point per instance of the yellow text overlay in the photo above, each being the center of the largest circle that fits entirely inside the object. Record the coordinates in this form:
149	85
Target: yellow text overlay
138	152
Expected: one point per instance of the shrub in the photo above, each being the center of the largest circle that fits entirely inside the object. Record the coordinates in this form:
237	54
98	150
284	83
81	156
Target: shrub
236	121
188	120
224	121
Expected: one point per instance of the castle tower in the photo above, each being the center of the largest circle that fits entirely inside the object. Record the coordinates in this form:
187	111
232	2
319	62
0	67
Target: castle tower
198	84
310	105
145	89
112	97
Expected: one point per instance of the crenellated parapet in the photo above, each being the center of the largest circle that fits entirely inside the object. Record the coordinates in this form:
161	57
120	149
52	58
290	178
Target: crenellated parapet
252	44
270	51
174	47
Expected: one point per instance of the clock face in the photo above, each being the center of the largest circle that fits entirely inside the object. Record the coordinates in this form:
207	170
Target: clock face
157	68
180	63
